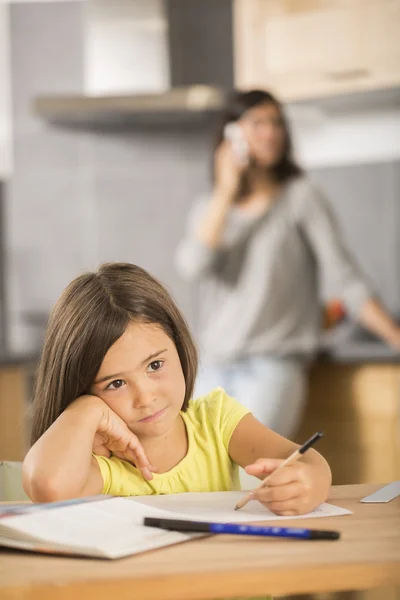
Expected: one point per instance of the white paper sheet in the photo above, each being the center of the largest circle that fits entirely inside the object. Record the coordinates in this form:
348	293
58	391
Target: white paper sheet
384	494
219	508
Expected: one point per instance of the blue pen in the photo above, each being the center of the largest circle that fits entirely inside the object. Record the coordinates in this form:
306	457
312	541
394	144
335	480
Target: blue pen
235	529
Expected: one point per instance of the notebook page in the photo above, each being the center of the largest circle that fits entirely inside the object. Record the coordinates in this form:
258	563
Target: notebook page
219	508
113	527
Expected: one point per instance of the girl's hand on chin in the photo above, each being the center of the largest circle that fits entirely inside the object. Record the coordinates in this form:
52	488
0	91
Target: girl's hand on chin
114	437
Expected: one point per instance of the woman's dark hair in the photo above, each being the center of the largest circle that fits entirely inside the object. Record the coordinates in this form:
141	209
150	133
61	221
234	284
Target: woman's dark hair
89	317
237	104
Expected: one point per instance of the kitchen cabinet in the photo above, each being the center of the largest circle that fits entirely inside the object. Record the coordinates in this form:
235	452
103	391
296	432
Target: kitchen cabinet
312	48
357	406
14	409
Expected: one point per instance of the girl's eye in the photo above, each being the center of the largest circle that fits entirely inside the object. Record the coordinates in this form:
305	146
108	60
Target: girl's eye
155	365
116	384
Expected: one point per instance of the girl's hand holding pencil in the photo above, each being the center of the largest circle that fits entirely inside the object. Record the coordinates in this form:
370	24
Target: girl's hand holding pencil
289	487
289	491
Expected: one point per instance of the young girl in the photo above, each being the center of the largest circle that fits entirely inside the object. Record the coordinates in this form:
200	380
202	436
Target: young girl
113	412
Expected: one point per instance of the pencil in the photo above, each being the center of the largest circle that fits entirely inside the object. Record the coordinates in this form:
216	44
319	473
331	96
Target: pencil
291	459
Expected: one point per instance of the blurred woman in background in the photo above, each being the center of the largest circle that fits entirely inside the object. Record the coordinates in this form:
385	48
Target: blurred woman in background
259	246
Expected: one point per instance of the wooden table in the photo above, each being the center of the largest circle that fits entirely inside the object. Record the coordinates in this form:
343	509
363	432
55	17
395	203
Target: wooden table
367	556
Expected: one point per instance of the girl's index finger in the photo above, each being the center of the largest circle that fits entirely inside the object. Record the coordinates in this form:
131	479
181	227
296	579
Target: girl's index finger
147	474
137	448
141	460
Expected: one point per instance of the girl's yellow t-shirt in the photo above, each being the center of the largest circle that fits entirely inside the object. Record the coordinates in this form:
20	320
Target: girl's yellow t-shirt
207	467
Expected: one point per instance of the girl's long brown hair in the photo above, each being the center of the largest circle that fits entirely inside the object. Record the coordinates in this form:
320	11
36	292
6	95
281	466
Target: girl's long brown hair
89	317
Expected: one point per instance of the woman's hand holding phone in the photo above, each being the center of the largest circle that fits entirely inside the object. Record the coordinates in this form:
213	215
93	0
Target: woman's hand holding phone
234	134
231	160
229	168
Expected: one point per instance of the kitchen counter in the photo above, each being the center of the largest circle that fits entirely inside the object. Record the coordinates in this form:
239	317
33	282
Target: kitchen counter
360	352
11	359
351	344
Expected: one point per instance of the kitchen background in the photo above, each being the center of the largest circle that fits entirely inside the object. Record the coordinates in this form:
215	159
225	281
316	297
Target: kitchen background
81	171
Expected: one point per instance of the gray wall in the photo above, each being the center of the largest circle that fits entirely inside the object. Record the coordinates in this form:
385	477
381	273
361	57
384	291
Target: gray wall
45	195
81	198
3	321
366	200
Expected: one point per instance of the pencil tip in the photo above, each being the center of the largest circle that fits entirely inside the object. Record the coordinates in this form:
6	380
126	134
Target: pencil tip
236	508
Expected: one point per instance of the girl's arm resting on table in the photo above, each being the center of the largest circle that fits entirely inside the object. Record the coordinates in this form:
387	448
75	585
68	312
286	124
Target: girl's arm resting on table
295	489
60	464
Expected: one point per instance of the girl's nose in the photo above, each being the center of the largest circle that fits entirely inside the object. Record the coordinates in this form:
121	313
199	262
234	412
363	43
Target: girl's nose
143	394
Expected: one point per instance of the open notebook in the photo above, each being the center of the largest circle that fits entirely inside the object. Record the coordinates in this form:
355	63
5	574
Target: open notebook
108	527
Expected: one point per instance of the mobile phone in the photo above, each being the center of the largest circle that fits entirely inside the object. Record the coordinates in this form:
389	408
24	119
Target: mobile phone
234	134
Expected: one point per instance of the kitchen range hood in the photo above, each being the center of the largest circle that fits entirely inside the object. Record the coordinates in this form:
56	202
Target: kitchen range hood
149	61
179	104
